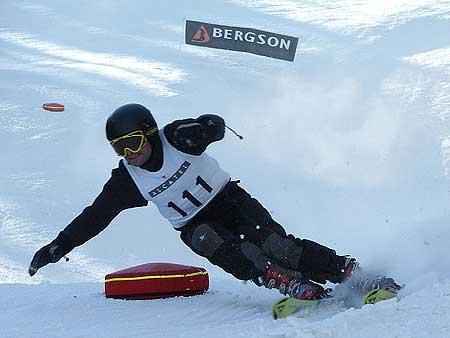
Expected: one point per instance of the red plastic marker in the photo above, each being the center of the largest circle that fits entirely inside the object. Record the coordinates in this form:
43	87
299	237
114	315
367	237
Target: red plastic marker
53	106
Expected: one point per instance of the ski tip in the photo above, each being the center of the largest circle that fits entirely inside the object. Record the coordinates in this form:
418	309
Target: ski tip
378	295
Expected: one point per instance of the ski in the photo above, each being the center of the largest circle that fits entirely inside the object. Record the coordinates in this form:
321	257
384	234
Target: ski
378	295
287	306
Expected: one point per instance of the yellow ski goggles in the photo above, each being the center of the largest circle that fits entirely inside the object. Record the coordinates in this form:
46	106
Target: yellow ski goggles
131	143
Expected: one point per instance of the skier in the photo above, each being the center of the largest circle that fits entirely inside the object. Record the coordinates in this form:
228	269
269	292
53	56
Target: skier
216	217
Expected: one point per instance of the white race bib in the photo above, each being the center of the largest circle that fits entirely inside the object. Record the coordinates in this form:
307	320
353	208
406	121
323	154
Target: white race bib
183	186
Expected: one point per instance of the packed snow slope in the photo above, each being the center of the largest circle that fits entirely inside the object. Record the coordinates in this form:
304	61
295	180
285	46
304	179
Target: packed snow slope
349	145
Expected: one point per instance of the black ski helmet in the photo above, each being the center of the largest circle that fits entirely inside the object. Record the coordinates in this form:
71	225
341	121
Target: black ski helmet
128	118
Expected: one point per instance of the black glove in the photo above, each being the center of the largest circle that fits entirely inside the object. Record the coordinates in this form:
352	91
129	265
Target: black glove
191	135
211	120
215	126
202	131
194	135
51	253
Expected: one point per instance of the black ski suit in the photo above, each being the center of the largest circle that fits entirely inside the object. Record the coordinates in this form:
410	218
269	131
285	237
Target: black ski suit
233	231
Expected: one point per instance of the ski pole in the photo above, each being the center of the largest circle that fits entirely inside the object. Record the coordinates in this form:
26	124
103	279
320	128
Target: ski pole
240	137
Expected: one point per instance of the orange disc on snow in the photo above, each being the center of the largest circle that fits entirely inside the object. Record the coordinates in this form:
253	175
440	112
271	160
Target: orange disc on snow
53	106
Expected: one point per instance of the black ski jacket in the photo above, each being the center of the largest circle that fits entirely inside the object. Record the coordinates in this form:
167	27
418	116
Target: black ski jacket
190	136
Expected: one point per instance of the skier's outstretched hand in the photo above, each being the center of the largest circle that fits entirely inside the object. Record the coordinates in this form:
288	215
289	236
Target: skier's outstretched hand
215	125
191	135
200	132
51	253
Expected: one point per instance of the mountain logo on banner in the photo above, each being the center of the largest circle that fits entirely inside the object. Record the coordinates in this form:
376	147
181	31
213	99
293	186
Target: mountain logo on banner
201	35
240	39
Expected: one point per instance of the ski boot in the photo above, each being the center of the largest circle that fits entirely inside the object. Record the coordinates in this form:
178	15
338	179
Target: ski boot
350	266
365	282
375	288
293	284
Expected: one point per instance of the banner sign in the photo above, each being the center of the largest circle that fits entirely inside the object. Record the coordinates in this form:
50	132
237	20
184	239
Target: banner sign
241	39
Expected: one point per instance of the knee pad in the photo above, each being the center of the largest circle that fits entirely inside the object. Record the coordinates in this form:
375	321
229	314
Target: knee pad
205	240
255	255
283	249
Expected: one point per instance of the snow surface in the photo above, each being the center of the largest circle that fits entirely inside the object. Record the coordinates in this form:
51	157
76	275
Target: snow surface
349	145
